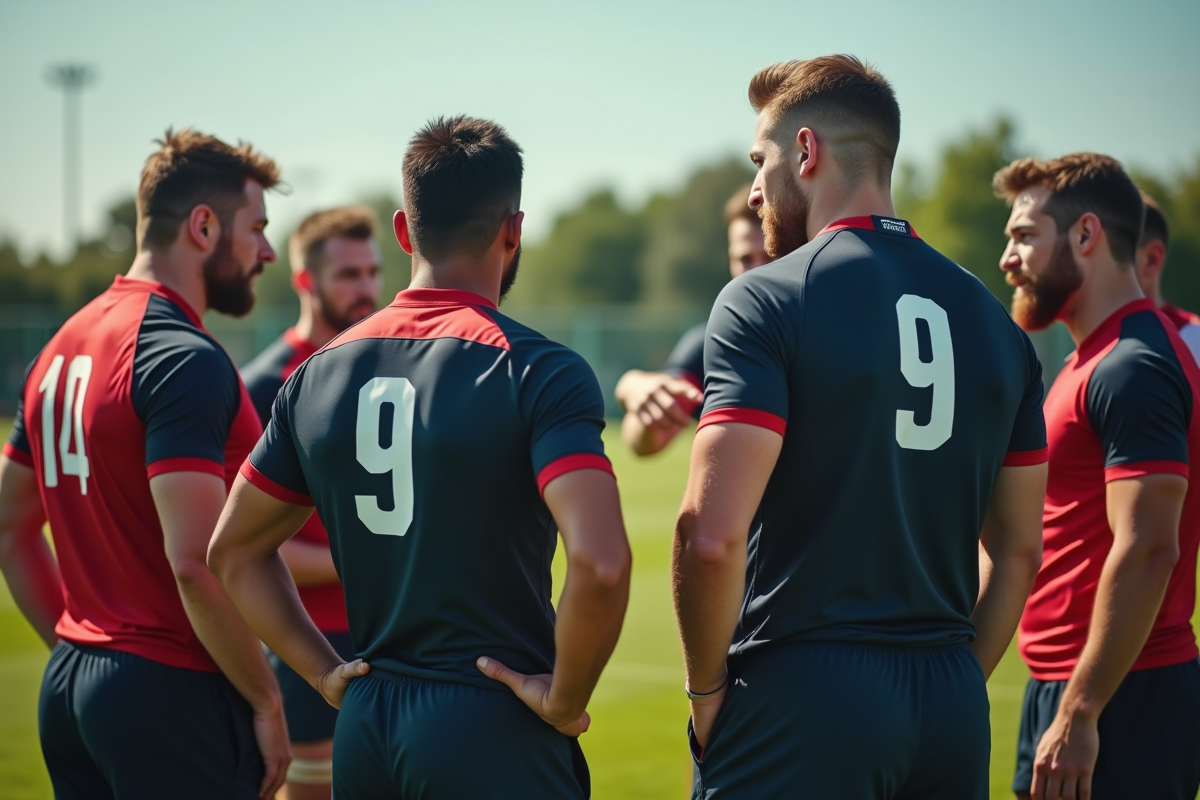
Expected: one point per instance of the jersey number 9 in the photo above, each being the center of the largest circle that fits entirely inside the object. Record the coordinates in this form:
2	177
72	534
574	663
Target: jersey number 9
938	372
394	457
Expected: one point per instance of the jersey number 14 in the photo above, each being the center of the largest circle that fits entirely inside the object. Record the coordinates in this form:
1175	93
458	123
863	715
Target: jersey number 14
71	463
938	373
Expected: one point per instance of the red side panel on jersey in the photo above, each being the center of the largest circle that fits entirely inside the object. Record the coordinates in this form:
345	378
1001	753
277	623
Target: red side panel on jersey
432	314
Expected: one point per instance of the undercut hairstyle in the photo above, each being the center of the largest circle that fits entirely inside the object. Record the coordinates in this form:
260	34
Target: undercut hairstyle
191	169
847	103
738	207
462	179
1080	183
1155	227
307	245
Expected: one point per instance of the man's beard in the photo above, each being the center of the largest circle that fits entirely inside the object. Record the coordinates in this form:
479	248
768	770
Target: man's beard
510	274
341	320
1037	304
785	222
228	289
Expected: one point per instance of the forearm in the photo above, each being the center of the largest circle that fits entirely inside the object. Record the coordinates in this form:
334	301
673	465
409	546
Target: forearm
310	564
1128	599
32	575
708	585
262	589
1004	587
646	440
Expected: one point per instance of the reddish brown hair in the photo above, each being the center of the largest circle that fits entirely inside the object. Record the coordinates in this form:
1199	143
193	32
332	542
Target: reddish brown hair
1082	183
738	207
307	244
191	169
841	98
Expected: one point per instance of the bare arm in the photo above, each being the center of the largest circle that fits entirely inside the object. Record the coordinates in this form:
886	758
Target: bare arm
1143	514
657	407
25	558
188	505
244	556
310	564
731	465
587	508
1010	555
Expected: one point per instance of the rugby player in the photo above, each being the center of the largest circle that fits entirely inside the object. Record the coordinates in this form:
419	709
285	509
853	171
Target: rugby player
869	409
443	444
1149	263
130	428
658	405
335	263
1112	709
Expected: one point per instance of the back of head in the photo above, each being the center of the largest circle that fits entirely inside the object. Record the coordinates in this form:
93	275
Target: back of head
462	179
849	105
1082	183
738	207
191	169
1155	227
306	248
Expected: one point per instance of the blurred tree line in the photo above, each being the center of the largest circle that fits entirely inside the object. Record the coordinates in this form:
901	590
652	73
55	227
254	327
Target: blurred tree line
671	249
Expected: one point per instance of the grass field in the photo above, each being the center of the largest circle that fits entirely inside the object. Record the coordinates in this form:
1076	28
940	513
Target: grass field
636	746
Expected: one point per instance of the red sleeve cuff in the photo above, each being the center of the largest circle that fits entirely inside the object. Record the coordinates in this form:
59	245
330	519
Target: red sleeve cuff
749	416
185	465
19	456
1026	458
272	488
1145	468
562	466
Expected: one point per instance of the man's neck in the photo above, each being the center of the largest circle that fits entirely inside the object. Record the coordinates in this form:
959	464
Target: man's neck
465	275
1097	300
865	200
186	280
312	327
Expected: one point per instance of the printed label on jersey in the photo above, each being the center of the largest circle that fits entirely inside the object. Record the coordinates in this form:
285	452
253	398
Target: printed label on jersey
889	225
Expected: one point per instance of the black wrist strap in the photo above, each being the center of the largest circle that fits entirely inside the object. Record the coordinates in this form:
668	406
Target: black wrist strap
701	695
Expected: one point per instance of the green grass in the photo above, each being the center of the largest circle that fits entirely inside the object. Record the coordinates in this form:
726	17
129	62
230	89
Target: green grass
636	746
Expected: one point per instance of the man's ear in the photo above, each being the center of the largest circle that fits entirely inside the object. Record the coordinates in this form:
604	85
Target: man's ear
202	228
302	280
1153	256
807	152
513	230
400	226
1086	234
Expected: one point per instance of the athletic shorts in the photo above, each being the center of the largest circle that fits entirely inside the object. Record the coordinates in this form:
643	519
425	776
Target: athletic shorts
1149	734
309	717
406	737
115	726
849	721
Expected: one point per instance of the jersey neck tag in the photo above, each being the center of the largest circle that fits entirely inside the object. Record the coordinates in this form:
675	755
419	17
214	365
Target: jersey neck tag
888	225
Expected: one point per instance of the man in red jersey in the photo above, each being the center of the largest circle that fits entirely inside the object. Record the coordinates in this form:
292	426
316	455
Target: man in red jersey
335	271
1113	706
130	428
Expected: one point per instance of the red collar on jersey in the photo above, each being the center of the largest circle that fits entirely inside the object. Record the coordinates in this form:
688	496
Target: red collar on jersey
871	224
442	297
123	284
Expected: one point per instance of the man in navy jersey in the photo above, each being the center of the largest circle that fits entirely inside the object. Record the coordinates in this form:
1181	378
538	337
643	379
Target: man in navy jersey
443	445
869	409
336	274
1112	709
129	431
658	405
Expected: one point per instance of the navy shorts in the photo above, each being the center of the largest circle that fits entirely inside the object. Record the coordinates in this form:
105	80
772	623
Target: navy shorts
406	737
849	721
309	717
1149	734
116	726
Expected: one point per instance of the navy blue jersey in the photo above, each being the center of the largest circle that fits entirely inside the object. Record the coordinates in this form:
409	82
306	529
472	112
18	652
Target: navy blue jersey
264	376
424	435
687	360
900	387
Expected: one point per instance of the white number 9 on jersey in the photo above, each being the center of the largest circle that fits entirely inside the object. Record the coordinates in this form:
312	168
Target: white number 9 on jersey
938	372
396	458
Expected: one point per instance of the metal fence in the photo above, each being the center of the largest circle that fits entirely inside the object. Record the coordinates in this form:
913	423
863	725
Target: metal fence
611	338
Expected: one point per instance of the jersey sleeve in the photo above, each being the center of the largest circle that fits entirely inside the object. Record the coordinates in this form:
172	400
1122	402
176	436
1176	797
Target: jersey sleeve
17	447
186	392
687	361
274	464
1027	445
566	417
1140	405
745	361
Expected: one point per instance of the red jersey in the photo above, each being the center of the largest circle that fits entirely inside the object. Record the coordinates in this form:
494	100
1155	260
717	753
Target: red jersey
131	387
1180	318
264	377
1123	406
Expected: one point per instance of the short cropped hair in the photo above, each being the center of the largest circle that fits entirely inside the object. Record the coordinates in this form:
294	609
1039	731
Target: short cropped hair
1155	227
462	178
738	207
307	245
845	101
1080	183
190	169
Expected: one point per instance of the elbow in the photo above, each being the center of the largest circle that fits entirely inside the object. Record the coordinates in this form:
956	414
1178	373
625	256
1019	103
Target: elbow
707	547
606	571
1031	562
1163	559
190	573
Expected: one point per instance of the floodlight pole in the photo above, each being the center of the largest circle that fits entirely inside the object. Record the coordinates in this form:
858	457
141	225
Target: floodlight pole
72	78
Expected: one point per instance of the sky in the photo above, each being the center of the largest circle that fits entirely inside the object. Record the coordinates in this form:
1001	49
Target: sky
629	95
